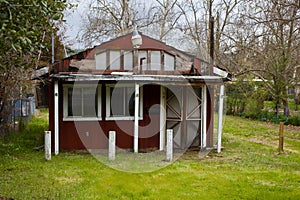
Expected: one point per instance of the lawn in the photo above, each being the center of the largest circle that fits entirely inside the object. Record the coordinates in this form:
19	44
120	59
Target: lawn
249	167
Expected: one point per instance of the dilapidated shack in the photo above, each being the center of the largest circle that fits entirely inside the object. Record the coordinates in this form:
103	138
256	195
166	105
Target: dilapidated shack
137	92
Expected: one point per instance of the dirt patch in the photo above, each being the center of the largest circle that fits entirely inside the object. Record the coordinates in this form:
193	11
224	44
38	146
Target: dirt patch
289	128
273	144
293	129
5	198
264	142
67	179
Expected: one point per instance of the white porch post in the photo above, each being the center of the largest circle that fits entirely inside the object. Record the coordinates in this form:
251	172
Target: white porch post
136	119
56	119
169	148
220	117
112	145
48	145
162	124
203	117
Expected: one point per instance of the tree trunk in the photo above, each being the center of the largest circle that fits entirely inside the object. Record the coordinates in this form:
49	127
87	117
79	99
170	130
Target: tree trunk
277	108
286	107
286	103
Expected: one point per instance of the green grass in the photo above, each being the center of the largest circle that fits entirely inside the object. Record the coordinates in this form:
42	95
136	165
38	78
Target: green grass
249	167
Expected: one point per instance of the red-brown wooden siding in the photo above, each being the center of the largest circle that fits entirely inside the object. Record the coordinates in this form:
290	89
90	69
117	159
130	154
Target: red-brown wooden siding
94	134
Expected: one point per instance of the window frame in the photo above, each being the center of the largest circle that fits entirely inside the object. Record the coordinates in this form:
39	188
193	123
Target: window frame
101	60
153	60
115	59
66	117
166	66
128	60
108	103
145	62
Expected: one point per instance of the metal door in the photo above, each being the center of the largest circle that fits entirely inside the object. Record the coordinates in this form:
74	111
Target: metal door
174	113
193	116
184	115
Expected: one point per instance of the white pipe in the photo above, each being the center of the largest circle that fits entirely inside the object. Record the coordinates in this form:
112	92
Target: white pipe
204	117
56	119
48	145
136	119
162	125
220	117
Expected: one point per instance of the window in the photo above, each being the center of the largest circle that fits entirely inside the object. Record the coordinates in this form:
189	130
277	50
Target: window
128	60
82	102
120	102
155	60
143	57
115	59
101	61
169	62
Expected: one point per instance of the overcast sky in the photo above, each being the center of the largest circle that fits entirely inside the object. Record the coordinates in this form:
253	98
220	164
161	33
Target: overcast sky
73	23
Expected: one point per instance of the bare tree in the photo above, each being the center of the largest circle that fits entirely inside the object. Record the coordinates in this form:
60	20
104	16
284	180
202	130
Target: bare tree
269	44
168	16
110	18
202	20
226	11
194	25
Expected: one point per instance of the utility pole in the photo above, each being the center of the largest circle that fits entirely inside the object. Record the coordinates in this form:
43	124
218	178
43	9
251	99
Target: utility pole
52	43
211	33
210	89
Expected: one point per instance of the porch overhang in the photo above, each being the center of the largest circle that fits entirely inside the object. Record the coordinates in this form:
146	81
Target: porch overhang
169	79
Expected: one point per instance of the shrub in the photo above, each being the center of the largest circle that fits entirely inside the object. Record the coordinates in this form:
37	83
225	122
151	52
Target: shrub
271	117
253	109
293	120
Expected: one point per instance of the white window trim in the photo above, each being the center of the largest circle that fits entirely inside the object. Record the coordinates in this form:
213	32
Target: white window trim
108	114
80	118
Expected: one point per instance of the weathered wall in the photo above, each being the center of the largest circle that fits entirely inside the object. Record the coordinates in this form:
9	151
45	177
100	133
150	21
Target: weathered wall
94	134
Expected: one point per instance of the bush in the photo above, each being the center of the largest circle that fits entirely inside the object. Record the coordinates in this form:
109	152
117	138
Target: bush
294	120
253	109
271	117
245	98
